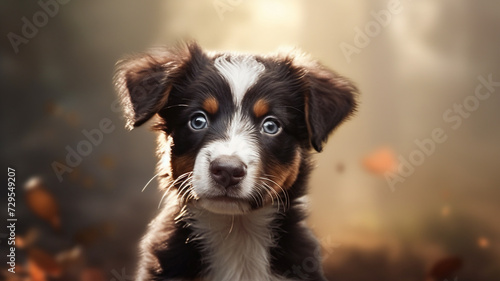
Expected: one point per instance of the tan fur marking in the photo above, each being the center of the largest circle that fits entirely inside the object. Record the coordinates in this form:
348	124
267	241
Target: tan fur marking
181	165
285	176
293	172
211	105
260	108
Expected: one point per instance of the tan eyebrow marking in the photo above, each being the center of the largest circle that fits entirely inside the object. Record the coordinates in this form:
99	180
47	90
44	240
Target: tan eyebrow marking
211	105
260	108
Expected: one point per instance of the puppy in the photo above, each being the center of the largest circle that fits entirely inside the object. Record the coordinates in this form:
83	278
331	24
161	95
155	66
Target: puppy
236	132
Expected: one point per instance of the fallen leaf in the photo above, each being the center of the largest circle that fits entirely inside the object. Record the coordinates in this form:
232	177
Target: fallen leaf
35	272
42	202
381	161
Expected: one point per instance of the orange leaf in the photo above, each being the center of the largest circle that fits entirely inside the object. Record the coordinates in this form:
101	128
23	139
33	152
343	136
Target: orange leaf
380	161
42	202
35	272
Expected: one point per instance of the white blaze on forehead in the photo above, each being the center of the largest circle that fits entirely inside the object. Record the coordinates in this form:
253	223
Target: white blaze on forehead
240	72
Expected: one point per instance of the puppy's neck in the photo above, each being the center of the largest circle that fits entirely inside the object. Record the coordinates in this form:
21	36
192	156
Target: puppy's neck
236	247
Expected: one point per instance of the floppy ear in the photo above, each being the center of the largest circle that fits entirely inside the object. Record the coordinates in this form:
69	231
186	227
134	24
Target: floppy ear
143	82
330	99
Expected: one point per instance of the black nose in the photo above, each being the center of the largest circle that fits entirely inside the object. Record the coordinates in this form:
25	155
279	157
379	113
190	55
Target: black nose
228	170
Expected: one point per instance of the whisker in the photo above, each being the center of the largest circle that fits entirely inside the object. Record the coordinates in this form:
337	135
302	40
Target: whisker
187	184
174	182
185	188
187	191
149	182
267	176
268	192
285	193
254	199
269	189
178	105
263	187
292	107
278	197
181	214
231	228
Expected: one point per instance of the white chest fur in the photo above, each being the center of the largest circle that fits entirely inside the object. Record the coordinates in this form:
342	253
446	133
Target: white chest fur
236	248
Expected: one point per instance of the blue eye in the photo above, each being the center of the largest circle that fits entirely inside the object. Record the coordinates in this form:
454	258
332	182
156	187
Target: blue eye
271	126
198	121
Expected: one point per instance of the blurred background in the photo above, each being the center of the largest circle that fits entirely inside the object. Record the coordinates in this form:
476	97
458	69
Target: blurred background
409	189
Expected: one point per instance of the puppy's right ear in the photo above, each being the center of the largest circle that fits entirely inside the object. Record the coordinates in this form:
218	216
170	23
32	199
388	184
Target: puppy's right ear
143	82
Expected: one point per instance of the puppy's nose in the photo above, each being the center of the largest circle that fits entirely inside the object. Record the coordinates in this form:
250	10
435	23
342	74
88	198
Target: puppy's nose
228	170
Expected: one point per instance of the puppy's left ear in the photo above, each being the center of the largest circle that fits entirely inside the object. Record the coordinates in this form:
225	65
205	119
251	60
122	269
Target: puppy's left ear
330	99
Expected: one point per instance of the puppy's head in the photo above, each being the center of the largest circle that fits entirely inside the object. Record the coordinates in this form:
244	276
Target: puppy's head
239	125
